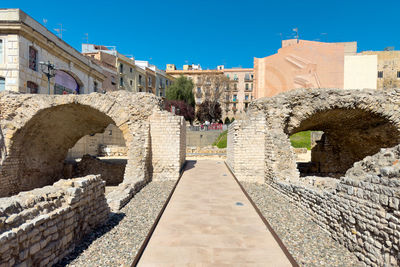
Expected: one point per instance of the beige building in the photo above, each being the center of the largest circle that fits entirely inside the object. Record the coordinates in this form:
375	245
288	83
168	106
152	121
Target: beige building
108	63
24	43
240	92
125	66
388	68
157	80
360	72
236	95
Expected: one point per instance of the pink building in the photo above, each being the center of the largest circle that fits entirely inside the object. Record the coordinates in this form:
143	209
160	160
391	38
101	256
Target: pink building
301	64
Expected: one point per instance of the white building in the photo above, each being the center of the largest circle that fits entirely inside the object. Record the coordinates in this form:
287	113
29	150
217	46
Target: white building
24	43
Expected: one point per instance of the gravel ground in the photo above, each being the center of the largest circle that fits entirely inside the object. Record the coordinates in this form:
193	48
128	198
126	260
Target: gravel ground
305	240
117	242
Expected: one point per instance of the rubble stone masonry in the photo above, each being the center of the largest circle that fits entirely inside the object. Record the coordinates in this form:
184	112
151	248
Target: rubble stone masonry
361	208
41	226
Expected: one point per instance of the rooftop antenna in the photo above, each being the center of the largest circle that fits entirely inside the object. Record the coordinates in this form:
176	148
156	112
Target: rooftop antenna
297	33
86	37
325	34
60	30
45	22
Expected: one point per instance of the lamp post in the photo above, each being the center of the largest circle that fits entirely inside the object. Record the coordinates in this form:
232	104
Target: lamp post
49	70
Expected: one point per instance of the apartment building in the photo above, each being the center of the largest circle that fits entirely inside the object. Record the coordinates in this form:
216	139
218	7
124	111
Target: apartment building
240	92
25	44
387	72
157	80
125	66
235	93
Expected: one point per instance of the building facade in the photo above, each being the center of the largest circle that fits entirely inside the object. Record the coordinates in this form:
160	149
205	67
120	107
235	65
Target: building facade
388	68
301	64
234	94
24	43
157	80
108	63
240	92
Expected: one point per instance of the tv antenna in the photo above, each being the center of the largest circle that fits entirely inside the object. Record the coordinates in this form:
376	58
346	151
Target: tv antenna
86	37
60	31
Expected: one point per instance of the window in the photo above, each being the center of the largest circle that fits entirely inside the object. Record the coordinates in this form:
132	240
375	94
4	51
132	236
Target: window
227	75
1	51
131	82
140	79
161	94
113	80
95	89
380	74
251	86
235	86
246	97
234	98
235	77
198	90
166	82
398	74
247	86
247	76
32	58
109	132
2	84
216	89
234	105
130	70
121	68
32	88
121	81
149	81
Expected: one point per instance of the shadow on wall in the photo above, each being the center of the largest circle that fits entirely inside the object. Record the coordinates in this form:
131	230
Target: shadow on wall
348	137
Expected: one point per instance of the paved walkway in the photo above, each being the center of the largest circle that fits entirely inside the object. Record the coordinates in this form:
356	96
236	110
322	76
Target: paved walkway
209	221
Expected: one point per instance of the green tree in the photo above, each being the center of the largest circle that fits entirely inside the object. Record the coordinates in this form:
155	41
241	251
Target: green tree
181	89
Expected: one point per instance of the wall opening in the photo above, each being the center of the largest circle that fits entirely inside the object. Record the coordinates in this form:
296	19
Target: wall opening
338	138
101	153
39	149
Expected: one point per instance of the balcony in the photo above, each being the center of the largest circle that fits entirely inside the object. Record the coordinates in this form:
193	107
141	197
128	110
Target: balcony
246	101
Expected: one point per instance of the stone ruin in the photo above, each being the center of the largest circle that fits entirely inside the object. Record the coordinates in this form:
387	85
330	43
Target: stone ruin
354	191
42	212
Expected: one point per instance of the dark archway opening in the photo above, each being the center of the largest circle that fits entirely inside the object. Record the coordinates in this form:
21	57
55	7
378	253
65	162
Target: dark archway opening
37	156
343	137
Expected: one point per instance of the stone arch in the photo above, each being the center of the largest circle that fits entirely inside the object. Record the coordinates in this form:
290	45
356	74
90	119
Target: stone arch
39	130
356	123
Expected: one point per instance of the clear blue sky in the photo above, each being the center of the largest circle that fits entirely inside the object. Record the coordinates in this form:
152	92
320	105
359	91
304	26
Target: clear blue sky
214	32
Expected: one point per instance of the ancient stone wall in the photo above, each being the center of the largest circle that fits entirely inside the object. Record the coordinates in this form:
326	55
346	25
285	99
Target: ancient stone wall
39	130
360	209
41	226
168	143
244	156
111	171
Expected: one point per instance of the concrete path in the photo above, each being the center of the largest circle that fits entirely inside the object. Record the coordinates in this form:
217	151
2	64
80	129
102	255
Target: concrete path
209	221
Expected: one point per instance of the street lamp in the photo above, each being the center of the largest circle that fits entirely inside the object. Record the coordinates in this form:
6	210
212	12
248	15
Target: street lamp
49	70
